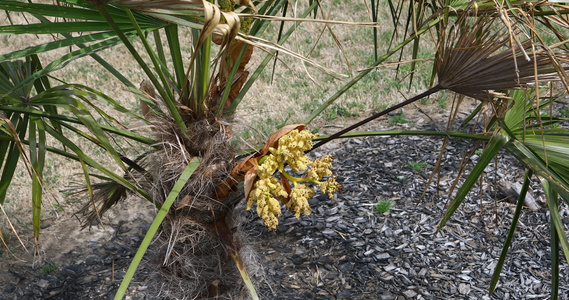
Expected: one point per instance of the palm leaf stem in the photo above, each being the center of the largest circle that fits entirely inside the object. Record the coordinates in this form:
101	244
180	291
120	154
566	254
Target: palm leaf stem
37	158
203	74
159	47
555	236
554	253
455	135
174	46
336	135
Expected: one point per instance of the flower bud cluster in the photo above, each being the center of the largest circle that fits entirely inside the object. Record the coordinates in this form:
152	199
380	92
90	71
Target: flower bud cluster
268	207
291	149
268	190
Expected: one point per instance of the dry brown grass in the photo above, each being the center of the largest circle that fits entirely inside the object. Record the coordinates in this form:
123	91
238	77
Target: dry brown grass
298	88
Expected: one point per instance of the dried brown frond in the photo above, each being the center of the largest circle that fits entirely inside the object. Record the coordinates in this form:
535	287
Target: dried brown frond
105	195
481	60
209	141
476	60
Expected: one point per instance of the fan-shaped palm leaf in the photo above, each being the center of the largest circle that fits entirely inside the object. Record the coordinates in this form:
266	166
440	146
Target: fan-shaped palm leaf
475	61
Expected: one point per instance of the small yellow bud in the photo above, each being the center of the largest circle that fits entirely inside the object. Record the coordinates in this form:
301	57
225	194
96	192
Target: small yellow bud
268	167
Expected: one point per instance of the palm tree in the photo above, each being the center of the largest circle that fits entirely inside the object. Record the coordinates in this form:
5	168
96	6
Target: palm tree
189	106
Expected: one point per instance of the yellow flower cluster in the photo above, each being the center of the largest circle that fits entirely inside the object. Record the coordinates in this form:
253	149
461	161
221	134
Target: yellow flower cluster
330	186
268	189
268	207
268	166
291	149
298	203
320	168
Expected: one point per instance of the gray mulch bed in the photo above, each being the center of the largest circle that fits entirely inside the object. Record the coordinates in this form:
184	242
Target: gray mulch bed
92	270
346	250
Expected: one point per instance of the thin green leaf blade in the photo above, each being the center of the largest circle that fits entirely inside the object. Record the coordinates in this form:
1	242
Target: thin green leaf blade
552	197
184	177
51	10
511	231
538	165
553	204
56	28
494	146
36	181
176	53
56	45
93	163
66	59
63	118
13	155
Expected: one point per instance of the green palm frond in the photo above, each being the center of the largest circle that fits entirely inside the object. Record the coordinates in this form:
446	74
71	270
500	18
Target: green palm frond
543	151
32	110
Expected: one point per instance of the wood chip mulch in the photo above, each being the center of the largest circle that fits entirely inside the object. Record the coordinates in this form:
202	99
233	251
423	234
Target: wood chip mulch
346	250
